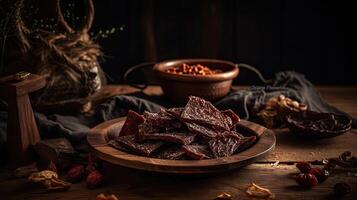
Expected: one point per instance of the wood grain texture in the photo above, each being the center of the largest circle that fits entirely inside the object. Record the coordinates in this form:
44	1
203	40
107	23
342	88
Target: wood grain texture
97	140
21	126
130	184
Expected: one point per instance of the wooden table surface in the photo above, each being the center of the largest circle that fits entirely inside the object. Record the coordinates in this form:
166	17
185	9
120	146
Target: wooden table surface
130	184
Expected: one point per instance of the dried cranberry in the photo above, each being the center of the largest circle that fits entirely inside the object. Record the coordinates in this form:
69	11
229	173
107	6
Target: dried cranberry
341	189
75	174
306	180
91	164
94	179
320	174
304	167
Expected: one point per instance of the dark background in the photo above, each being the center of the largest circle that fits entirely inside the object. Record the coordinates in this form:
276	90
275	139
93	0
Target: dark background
312	37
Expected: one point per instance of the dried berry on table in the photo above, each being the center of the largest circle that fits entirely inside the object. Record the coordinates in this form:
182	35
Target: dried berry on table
94	179
306	180
304	167
320	174
341	189
75	174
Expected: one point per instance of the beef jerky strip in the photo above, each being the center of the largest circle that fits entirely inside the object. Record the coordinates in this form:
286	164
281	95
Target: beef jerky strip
118	146
176	112
171	153
130	127
174	137
234	118
202	130
223	146
202	112
160	119
145	148
197	152
246	143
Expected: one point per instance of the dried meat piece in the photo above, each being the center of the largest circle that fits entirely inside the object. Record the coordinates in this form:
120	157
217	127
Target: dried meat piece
234	134
143	148
118	146
196	151
171	153
246	143
223	146
202	130
133	120
176	112
234	118
160	119
174	137
146	128
202	112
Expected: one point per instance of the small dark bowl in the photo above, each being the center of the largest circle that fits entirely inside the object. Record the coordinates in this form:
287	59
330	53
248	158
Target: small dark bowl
301	124
178	87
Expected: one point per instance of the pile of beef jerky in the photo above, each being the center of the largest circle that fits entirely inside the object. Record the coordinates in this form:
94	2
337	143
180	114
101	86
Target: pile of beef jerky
197	131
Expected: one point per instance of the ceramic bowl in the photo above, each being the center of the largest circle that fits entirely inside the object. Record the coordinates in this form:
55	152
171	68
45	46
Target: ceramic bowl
178	87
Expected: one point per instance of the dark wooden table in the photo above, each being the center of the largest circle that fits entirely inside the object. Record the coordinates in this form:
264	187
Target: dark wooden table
130	184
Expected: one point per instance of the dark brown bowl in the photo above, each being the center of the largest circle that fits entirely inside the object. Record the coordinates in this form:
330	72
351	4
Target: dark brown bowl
178	87
308	124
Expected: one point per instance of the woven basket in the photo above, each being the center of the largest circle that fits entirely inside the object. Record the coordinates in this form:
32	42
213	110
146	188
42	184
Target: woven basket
67	57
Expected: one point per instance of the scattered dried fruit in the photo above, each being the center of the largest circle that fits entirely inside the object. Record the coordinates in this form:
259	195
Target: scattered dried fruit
49	180
320	174
304	167
341	189
108	197
94	179
254	190
42	176
306	180
52	167
75	174
224	196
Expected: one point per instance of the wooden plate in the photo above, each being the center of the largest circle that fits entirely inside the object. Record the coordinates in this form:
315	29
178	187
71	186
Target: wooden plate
97	139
